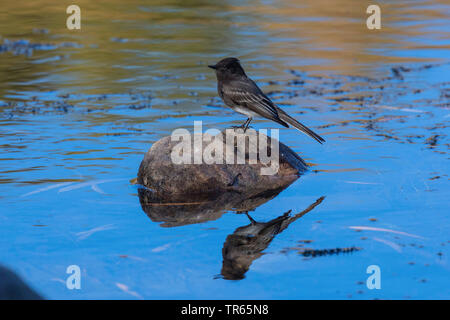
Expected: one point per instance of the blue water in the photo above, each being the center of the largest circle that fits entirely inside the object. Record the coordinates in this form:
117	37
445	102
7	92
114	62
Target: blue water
76	121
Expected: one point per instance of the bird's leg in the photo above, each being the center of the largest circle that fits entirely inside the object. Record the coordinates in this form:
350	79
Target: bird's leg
244	125
247	124
250	218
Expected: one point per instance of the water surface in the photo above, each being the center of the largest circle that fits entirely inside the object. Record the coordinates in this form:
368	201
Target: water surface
79	109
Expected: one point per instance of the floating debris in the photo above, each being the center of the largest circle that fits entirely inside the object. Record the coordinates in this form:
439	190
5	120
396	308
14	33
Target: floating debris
326	252
391	244
125	289
85	234
361	228
432	141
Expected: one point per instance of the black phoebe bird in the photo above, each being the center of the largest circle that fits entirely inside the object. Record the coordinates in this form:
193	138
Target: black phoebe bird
241	94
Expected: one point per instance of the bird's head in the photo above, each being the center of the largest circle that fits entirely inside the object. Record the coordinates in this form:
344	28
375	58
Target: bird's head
228	68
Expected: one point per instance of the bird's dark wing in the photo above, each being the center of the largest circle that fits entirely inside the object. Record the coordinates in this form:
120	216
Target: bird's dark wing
245	93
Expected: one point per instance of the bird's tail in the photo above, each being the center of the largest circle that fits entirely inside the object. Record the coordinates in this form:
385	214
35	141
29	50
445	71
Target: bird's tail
287	118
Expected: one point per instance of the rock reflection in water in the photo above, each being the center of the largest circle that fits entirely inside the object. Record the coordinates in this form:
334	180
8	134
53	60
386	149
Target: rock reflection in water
197	208
245	244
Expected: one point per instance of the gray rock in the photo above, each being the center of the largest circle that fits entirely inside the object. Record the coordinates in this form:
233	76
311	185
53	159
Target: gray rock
169	180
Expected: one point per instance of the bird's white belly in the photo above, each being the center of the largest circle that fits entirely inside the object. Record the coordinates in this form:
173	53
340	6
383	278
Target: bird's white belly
249	113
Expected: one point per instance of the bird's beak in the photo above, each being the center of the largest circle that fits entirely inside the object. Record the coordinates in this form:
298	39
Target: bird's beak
212	67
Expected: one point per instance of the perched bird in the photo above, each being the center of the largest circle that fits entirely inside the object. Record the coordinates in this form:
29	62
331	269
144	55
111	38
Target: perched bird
241	94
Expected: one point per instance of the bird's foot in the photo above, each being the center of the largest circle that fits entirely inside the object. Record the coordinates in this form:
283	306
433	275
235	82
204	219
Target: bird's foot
243	127
238	127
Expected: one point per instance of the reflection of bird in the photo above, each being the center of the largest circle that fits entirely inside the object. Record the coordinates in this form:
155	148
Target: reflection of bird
247	243
241	94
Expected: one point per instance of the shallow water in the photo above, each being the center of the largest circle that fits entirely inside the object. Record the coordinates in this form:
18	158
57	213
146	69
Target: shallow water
79	111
